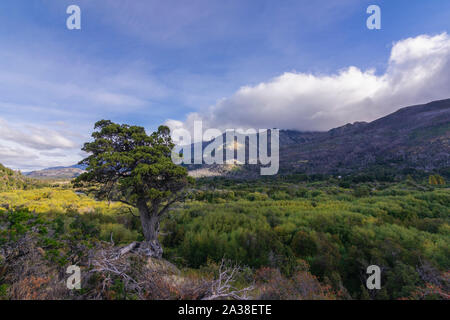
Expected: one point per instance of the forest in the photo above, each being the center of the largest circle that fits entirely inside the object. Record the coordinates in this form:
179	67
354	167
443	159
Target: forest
287	237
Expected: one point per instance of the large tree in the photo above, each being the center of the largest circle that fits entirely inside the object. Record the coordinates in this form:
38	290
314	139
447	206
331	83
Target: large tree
127	165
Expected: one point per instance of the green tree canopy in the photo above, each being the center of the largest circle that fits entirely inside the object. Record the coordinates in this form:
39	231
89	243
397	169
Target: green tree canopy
127	165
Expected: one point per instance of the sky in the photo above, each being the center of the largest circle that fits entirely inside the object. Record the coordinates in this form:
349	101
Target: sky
304	65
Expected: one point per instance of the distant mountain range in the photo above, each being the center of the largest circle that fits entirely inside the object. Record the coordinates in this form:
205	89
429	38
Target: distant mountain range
75	166
413	138
57	172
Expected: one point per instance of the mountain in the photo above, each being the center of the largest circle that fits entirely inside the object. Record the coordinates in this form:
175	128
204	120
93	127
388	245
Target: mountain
75	166
58	172
11	180
412	138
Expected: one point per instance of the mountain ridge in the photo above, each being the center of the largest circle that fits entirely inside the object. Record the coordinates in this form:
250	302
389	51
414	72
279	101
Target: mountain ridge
415	137
57	172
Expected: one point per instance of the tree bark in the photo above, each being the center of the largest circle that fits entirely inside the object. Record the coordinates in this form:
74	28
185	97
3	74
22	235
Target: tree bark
150	228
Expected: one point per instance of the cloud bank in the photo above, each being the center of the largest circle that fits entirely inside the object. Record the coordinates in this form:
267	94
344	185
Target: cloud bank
31	147
418	71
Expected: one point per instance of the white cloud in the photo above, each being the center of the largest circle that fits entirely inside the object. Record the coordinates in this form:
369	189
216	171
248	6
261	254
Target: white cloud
31	147
418	71
34	137
17	157
14	153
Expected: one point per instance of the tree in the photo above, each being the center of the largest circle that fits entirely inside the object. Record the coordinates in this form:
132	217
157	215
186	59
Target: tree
440	180
436	180
432	180
127	165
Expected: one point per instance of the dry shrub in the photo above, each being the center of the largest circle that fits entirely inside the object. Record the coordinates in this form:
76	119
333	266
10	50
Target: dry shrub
135	276
31	288
272	285
437	287
30	276
107	272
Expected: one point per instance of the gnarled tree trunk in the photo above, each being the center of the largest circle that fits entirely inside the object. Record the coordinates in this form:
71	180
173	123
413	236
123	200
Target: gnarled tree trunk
150	228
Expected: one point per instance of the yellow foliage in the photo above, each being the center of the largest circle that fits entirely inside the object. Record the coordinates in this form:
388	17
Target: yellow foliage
55	199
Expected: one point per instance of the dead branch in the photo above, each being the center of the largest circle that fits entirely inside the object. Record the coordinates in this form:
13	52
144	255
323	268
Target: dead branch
127	248
222	287
109	262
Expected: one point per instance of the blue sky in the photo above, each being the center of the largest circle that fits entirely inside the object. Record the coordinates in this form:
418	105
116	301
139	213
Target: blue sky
147	62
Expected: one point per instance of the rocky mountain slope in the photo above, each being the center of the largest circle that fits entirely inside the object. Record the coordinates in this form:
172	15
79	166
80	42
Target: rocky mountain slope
416	137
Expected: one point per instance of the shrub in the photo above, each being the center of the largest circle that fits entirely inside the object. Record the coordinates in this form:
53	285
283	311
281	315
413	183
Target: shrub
303	244
119	233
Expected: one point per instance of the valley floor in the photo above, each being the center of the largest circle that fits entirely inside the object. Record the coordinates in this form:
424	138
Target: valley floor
285	239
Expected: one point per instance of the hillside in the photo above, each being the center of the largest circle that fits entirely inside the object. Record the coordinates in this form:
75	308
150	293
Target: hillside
10	179
413	138
57	173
